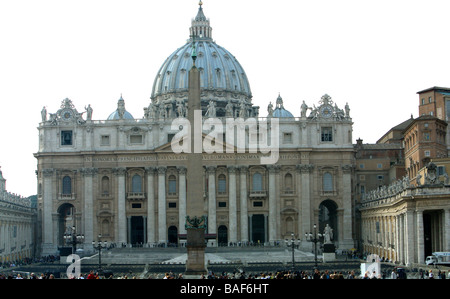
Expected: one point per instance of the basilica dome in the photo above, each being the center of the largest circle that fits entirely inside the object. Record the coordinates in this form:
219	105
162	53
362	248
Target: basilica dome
222	78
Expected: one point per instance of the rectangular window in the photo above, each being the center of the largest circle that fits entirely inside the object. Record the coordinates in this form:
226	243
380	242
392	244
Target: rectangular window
222	204
427	153
104	140
440	170
287	138
172	205
327	134
136	139
66	137
257	204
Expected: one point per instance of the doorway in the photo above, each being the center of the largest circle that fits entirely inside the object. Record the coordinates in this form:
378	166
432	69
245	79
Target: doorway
258	229
137	230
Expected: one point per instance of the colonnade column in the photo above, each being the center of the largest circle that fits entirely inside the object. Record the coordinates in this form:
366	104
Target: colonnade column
305	193
447	230
212	224
121	212
243	203
88	176
151	232
162	235
232	210
409	237
420	238
272	204
347	208
182	200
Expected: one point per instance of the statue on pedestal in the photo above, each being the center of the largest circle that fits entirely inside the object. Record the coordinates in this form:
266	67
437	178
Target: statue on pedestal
328	234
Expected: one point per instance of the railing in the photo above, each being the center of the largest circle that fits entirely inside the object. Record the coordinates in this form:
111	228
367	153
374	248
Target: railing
136	195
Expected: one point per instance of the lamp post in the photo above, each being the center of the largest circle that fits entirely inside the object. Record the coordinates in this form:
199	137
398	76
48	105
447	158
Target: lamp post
73	239
315	239
98	246
292	243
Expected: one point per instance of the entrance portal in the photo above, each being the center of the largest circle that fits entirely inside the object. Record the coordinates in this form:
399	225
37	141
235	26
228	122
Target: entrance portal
137	230
258	229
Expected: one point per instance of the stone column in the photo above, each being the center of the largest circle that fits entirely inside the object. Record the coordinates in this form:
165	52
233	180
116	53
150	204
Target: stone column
212	223
151	232
232	210
162	235
182	200
447	230
243	203
305	204
121	211
272	204
48	246
420	238
88	176
410	236
397	238
347	242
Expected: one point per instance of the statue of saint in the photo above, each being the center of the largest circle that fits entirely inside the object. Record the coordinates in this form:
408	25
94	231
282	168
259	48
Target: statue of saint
270	110
44	114
229	109
211	112
304	108
328	234
88	112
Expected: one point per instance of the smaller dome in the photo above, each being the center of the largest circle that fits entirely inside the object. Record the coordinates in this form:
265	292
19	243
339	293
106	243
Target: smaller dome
120	112
279	110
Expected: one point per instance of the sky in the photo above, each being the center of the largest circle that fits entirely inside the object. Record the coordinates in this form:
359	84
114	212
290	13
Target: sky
373	55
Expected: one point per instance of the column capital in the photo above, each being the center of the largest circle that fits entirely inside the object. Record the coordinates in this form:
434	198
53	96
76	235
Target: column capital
181	169
48	172
243	169
119	170
89	171
211	169
150	170
347	168
273	168
232	169
305	168
162	169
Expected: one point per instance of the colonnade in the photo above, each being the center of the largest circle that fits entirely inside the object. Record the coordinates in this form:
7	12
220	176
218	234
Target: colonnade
400	237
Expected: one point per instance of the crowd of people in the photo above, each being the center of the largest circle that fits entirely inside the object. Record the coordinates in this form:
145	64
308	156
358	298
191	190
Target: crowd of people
282	274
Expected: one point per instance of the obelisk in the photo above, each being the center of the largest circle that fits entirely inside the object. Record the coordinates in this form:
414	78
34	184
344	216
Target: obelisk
195	219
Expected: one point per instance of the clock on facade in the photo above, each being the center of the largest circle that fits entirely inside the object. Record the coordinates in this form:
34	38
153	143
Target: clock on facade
326	111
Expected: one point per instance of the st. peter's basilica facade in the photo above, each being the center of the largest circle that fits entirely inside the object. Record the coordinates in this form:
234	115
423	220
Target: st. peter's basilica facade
120	178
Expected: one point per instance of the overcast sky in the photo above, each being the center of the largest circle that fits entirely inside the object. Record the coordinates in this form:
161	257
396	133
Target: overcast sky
375	55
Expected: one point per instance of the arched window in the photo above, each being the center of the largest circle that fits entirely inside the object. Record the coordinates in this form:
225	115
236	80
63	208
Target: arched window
222	186
327	182
288	182
257	182
136	183
172	185
105	185
67	185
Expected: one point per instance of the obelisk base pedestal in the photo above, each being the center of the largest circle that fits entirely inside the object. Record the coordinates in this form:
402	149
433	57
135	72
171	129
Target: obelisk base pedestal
195	263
